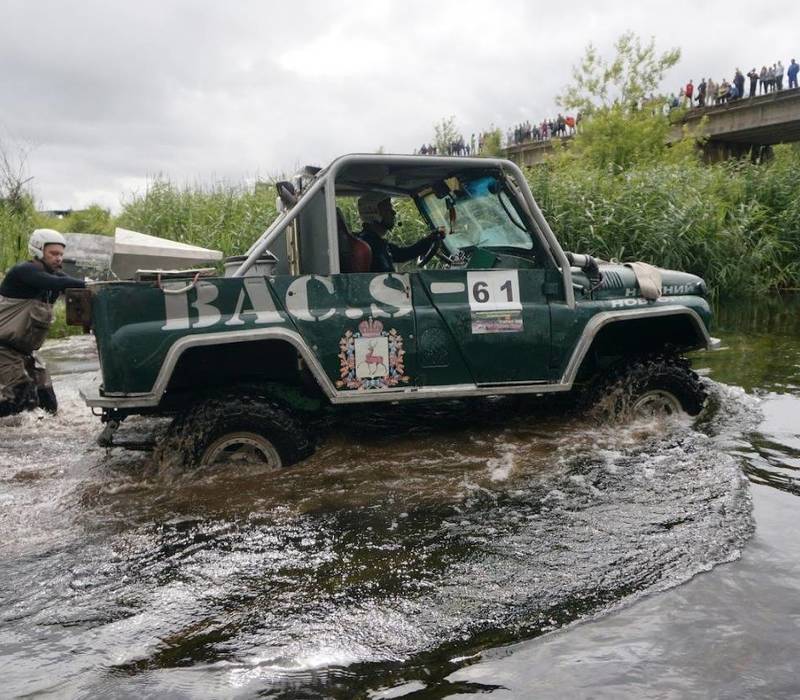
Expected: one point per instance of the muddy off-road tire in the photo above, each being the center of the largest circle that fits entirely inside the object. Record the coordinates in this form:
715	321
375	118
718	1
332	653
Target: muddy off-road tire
232	428
656	385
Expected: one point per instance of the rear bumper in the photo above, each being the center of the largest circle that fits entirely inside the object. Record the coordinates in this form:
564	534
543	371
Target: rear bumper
94	399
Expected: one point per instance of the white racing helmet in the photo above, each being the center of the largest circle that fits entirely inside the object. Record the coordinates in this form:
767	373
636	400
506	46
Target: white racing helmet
42	237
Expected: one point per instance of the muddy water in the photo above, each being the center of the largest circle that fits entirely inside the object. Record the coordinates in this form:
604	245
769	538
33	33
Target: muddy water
484	549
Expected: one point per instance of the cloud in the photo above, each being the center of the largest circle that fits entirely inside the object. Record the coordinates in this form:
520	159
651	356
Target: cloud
109	94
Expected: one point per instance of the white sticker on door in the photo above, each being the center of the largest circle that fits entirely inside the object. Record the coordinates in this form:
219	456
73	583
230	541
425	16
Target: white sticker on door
494	301
493	290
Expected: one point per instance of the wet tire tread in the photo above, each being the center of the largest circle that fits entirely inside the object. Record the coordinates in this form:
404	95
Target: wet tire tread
632	377
235	410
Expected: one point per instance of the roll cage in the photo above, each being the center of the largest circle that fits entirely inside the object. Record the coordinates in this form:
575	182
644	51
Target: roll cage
399	175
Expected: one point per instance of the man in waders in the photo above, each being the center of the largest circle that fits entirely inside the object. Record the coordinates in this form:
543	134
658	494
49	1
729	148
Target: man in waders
27	295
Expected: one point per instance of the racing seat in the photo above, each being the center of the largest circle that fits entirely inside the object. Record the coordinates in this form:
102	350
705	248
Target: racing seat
355	255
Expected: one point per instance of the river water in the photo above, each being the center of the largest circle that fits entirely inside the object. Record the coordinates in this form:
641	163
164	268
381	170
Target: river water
482	550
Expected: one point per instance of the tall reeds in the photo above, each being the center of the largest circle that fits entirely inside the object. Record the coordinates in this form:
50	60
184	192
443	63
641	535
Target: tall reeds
16	224
223	217
736	224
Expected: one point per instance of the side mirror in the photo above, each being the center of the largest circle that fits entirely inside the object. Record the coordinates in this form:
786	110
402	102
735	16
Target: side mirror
286	193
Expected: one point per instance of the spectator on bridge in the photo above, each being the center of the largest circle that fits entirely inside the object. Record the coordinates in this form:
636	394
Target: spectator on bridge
723	92
733	93
779	75
771	78
738	81
701	94
688	91
711	92
791	72
753	75
561	125
674	102
763	76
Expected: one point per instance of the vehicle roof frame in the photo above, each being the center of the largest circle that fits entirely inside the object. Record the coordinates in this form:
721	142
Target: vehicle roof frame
326	179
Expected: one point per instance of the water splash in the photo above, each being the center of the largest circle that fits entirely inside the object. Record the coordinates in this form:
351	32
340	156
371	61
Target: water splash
379	550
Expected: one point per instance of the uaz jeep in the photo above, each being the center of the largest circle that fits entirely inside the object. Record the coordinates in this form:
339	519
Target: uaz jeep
497	307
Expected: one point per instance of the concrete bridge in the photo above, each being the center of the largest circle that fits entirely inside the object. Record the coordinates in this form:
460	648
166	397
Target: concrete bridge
748	126
533	152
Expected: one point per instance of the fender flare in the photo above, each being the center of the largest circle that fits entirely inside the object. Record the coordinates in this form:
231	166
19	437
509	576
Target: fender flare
606	318
181	345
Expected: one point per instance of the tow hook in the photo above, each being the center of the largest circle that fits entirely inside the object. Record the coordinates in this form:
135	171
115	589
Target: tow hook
106	437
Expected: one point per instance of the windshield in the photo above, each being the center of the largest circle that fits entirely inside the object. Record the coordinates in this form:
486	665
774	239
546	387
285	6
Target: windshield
477	213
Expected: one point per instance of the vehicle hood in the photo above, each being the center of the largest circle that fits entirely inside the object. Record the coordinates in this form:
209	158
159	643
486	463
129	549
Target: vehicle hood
619	280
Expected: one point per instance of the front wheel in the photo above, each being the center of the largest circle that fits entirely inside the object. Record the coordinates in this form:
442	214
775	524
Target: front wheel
649	387
236	429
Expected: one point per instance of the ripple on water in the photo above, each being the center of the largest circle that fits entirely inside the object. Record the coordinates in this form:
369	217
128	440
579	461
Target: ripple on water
375	550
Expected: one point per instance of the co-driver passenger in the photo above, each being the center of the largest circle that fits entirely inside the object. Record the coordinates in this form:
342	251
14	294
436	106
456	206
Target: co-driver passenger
378	217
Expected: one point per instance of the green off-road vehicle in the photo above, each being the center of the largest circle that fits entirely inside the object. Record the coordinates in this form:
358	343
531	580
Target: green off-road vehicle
300	325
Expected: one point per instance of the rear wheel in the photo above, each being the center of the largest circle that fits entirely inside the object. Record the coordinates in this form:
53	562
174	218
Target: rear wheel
649	387
241	447
235	429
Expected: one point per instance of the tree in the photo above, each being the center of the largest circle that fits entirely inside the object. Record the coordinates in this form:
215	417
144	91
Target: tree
611	139
492	143
623	122
445	133
13	180
635	72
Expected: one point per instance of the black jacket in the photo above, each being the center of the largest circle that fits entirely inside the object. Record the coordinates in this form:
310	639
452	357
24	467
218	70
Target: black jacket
30	280
385	254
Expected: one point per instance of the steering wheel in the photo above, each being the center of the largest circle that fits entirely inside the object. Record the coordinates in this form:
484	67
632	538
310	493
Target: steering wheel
425	258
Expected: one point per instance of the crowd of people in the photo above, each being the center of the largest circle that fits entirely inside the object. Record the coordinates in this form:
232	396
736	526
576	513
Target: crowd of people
459	146
706	93
548	128
755	82
524	132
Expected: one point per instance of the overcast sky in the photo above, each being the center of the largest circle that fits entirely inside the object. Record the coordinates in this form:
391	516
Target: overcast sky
110	93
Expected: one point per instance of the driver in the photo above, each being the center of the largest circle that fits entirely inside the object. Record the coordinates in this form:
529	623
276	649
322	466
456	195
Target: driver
378	217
